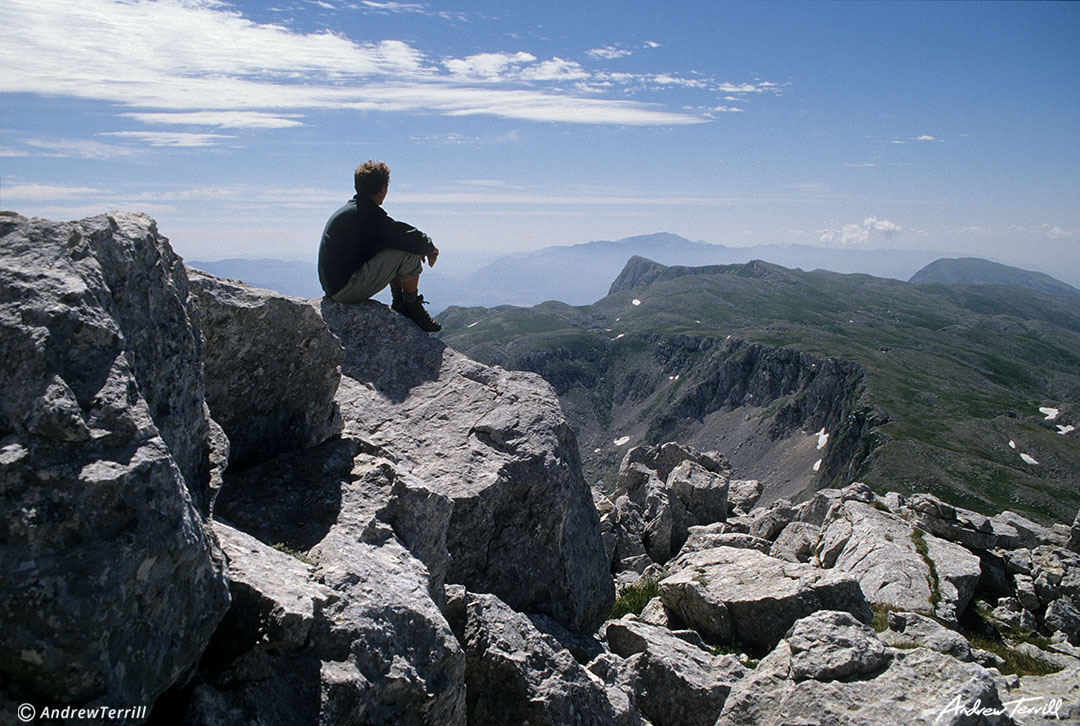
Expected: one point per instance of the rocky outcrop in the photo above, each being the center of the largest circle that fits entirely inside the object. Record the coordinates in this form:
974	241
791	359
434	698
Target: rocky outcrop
896	564
266	402
493	442
662	492
743	595
112	584
677	683
830	668
517	674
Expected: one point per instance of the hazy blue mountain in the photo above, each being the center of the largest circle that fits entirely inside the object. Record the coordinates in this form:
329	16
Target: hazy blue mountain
300	279
575	274
581	274
976	271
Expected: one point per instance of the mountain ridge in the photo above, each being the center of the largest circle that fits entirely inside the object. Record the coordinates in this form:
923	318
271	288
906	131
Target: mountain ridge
956	373
977	271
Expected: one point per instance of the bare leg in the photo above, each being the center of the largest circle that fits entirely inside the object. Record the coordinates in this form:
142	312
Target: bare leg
410	285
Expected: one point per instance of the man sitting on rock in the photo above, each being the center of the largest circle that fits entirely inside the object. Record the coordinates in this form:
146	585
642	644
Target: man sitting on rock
363	250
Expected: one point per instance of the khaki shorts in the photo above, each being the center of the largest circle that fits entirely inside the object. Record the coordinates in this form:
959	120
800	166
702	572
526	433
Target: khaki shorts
377	273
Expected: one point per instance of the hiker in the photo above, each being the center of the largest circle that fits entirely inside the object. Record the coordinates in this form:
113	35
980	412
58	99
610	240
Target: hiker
363	250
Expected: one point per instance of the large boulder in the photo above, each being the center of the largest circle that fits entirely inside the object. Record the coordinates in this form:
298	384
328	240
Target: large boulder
832	669
495	443
675	682
271	368
660	493
516	674
112	585
892	561
747	596
350	636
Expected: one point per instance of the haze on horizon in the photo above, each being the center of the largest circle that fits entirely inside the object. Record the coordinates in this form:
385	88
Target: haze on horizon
513	126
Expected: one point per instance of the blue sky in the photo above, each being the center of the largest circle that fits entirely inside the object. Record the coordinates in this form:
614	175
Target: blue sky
513	125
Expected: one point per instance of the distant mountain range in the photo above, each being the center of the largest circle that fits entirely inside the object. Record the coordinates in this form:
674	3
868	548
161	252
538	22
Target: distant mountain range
976	271
581	274
810	379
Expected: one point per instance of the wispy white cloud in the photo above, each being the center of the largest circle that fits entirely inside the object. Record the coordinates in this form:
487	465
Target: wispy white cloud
196	56
209	65
609	52
170	138
487	66
34	192
860	235
224	119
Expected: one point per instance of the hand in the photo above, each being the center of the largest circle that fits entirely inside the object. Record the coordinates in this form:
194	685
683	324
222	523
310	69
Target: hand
432	256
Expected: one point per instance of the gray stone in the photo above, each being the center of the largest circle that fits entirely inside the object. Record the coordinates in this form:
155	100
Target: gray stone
878	549
1049	699
496	444
271	368
516	674
769	521
919	687
112	585
711	536
661	492
1063	616
962	526
814	510
675	683
350	636
760	596
1056	573
1073	542
796	542
832	645
911	630
743	494
703	492
1028	534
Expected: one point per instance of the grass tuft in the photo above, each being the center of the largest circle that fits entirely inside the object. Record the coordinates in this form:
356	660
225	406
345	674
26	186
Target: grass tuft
634	598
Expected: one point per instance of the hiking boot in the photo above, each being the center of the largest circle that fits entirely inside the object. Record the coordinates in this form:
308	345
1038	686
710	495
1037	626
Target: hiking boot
414	311
397	297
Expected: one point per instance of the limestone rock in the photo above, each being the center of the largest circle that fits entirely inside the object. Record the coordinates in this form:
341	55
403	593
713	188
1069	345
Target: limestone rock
1056	573
962	526
761	596
831	645
768	522
882	552
717	535
1062	615
352	636
495	443
911	630
1074	535
796	542
919	687
271	368
1028	534
516	674
661	492
743	494
112	586
675	682
1049	699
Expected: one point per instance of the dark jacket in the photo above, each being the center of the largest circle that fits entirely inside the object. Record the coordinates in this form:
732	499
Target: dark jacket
355	233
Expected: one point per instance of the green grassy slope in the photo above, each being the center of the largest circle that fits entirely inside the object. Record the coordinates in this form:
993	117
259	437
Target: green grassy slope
959	371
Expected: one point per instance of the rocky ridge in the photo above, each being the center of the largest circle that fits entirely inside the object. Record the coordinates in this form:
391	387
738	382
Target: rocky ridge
257	509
